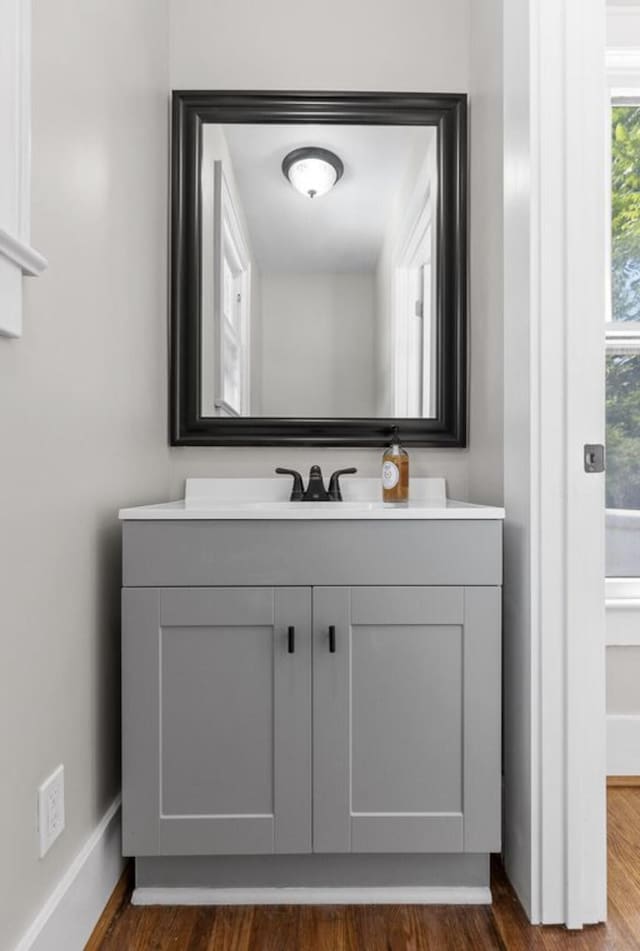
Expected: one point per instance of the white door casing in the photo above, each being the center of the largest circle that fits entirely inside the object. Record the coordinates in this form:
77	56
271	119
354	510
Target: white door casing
555	830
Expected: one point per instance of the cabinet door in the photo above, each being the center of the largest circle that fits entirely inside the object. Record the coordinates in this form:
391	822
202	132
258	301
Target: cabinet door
406	719
216	721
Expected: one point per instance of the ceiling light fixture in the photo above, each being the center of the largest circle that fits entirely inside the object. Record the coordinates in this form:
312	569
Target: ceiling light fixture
312	171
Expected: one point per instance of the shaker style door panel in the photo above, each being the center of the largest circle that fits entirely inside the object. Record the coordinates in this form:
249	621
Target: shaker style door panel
397	702
217	715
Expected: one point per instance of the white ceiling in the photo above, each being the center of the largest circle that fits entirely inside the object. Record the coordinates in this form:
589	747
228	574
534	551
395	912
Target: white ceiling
340	231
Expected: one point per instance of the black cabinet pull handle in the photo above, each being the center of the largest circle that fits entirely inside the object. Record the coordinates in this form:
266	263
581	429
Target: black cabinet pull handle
332	639
291	635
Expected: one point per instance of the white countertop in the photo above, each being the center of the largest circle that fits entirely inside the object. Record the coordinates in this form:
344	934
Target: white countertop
258	499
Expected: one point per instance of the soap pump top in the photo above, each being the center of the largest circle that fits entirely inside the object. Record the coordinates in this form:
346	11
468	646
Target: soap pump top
395	471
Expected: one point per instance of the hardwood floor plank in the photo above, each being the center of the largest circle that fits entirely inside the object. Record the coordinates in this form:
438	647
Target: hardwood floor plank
323	927
231	929
275	928
115	907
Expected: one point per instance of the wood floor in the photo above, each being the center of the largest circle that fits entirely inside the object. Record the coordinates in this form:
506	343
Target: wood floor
391	928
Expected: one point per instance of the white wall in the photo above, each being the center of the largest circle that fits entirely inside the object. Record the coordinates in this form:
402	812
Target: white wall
421	45
622	24
317	344
83	422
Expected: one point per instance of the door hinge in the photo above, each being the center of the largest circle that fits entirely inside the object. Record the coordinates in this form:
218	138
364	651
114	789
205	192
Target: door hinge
594	457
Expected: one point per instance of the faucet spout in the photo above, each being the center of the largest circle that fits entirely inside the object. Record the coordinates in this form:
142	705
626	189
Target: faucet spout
315	491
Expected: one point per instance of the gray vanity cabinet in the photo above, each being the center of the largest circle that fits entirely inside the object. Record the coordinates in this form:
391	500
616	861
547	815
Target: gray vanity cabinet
373	727
217	721
406	721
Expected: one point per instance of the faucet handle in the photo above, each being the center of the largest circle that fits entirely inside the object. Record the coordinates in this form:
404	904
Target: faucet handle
297	490
334	483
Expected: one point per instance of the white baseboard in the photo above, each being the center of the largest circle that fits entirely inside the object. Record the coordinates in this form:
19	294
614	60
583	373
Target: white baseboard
313	896
623	745
70	913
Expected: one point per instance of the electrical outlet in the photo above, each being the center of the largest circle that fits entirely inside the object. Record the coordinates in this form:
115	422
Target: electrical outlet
51	809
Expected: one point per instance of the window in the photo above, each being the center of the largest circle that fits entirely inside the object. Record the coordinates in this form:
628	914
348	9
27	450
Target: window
623	347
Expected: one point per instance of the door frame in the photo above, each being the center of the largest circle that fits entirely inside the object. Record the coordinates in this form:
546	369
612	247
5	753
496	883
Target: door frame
555	762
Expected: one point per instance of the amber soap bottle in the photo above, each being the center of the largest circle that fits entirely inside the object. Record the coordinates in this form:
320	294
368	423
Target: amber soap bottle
395	472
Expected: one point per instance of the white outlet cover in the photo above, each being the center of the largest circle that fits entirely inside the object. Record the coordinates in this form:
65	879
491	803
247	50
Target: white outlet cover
51	809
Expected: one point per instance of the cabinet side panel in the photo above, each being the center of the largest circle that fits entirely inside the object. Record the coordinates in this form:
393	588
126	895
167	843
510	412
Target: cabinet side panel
140	789
482	711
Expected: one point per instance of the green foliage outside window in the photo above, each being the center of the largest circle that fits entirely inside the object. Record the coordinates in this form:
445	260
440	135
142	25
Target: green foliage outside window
623	370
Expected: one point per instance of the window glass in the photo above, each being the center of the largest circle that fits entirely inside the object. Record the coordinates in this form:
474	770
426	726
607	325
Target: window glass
625	213
623	350
623	464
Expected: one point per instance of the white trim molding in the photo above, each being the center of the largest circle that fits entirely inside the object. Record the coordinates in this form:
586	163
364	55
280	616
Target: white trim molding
622	61
30	261
555	743
623	612
392	895
69	915
623	72
623	745
17	257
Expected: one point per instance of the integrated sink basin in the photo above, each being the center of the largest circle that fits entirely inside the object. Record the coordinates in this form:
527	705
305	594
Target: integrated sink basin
267	499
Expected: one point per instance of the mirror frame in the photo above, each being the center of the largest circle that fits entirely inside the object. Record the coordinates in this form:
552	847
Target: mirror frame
447	112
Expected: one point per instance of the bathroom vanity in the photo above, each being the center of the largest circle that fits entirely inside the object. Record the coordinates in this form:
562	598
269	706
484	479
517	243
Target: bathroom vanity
311	695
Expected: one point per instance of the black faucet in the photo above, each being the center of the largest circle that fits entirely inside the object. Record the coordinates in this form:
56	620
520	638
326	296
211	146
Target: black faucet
315	491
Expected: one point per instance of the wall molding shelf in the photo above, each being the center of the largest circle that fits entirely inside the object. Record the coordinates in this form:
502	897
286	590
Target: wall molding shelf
30	261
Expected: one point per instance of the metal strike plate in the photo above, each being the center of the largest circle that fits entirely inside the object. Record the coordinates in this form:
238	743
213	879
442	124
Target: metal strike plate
593	458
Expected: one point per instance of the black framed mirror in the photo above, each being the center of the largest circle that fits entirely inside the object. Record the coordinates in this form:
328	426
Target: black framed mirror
318	269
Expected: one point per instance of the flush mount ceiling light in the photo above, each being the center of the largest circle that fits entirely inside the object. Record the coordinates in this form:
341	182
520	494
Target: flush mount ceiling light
312	171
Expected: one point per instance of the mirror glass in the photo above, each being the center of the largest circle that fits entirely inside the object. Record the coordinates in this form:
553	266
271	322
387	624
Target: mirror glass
318	270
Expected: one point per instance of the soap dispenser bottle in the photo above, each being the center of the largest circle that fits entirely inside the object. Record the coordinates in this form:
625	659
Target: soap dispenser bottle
395	472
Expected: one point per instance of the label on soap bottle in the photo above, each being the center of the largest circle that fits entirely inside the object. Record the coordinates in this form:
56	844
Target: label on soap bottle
390	475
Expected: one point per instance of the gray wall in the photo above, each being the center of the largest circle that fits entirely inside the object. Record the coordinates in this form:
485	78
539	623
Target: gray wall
83	421
317	344
83	427
409	45
518	621
486	254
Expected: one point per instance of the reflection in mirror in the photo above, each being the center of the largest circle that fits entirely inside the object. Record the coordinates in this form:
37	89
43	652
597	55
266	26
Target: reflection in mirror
318	270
